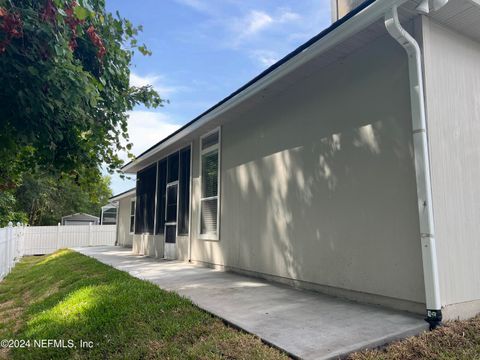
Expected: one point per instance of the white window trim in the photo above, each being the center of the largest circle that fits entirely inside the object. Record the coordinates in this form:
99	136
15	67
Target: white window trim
218	147
134	201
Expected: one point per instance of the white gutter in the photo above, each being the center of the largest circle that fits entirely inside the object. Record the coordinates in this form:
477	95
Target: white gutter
422	166
354	25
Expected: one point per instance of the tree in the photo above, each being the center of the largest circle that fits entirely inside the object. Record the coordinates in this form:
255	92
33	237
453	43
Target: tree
65	90
8	210
45	198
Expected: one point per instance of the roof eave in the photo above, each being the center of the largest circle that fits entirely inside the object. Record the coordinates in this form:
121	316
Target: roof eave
123	195
358	19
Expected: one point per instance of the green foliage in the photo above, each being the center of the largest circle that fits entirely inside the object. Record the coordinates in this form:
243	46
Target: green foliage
70	296
46	198
65	93
8	210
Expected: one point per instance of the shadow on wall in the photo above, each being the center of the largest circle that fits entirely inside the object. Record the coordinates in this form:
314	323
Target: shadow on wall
331	211
318	180
322	189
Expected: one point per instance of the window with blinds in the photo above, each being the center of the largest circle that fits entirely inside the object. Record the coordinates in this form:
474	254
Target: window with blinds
210	177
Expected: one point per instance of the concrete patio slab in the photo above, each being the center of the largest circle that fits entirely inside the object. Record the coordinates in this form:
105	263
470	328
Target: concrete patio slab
305	324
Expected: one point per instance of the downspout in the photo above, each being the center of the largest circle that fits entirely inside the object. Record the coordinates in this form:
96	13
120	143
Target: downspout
422	166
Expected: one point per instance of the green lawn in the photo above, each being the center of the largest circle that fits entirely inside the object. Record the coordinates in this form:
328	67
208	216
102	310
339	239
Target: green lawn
68	296
456	340
72	297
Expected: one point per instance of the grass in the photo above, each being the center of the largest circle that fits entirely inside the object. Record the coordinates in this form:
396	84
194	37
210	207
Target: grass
455	340
72	297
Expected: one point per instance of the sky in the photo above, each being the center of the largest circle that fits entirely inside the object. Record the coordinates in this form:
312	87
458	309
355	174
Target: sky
203	50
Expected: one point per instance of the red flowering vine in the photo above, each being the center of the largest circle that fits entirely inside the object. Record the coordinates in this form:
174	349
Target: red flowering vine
11	25
95	39
72	22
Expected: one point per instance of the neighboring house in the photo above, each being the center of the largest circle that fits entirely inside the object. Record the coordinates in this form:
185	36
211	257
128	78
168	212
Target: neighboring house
108	215
126	217
80	219
320	172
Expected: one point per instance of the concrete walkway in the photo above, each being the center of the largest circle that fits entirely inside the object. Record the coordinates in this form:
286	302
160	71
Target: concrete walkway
304	324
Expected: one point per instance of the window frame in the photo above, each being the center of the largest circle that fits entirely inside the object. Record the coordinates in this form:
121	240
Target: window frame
190	178
134	201
218	147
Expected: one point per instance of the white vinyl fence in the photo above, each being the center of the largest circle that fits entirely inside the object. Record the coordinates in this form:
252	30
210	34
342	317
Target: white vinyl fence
11	244
17	241
48	239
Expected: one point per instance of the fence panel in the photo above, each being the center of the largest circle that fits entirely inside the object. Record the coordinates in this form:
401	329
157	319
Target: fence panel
18	241
103	235
10	248
4	259
39	240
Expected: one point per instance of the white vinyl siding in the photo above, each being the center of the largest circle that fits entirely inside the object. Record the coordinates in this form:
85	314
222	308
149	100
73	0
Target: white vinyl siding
210	180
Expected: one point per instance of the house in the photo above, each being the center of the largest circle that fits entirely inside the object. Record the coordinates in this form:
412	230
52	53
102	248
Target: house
80	219
350	167
125	204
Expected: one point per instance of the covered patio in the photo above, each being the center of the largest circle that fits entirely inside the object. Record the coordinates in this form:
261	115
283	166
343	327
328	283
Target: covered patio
304	324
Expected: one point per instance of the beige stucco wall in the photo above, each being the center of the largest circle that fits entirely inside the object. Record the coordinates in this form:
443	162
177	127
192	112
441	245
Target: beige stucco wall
149	245
452	71
124	238
183	248
152	245
318	185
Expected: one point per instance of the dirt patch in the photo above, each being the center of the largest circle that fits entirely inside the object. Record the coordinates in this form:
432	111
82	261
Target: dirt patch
454	340
4	353
6	305
12	315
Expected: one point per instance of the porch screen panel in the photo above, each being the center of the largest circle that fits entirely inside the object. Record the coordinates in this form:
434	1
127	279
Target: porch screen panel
145	203
173	167
184	192
161	196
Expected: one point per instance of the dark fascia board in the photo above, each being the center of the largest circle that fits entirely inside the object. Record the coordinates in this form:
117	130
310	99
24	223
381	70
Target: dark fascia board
272	68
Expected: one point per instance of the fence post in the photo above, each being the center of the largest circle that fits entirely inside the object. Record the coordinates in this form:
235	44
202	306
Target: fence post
20	241
58	236
9	246
89	234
